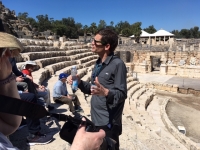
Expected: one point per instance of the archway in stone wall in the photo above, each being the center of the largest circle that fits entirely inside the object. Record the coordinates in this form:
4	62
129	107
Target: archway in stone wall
155	63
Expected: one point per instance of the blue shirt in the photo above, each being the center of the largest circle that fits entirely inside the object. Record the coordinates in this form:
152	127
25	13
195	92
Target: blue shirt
14	68
59	89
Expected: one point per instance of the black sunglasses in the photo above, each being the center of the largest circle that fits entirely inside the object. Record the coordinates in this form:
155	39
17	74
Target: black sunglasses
95	42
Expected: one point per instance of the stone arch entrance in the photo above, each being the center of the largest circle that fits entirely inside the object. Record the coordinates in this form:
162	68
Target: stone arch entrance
155	63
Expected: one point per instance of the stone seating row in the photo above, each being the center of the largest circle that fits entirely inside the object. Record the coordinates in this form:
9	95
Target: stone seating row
49	54
37	51
61	67
31	48
26	42
148	121
37	42
47	61
145	121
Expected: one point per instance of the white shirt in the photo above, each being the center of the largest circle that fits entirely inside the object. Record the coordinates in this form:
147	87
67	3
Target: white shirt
5	144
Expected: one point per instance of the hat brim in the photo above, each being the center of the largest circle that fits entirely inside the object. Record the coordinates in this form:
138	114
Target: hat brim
11	42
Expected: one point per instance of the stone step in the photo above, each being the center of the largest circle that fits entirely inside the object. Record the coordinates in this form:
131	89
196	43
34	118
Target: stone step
129	79
133	90
60	65
144	100
39	55
81	55
138	93
39	49
87	59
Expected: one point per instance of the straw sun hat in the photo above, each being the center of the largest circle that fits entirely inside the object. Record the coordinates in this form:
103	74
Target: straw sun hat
11	42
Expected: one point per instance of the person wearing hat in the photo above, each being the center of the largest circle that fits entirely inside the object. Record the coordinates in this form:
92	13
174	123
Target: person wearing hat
8	88
9	123
42	92
61	95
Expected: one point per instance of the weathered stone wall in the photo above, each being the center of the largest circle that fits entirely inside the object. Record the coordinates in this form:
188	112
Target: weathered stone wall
180	63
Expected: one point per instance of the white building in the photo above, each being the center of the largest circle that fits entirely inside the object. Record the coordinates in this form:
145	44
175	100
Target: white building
160	37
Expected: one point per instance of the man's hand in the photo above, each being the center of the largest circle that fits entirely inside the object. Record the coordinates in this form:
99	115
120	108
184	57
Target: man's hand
68	96
98	89
69	79
41	88
31	78
87	140
19	79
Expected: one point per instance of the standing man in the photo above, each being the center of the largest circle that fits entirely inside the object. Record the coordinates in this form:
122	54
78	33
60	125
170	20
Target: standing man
108	88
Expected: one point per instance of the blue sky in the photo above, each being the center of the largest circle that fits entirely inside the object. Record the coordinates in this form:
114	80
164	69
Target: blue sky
165	14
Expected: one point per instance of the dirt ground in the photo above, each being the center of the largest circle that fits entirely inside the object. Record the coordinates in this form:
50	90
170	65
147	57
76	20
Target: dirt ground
184	110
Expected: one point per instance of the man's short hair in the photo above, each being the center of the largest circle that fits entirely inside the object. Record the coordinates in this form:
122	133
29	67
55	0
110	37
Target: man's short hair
108	37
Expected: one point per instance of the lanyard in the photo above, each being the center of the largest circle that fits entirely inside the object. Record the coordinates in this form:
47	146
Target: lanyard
96	72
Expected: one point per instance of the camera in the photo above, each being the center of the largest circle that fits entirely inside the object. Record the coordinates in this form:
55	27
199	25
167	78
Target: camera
70	128
35	111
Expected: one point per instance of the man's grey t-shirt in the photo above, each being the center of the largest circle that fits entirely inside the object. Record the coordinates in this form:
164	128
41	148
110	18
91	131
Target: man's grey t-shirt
5	144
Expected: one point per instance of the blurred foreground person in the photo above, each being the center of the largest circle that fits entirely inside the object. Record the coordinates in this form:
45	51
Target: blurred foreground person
8	122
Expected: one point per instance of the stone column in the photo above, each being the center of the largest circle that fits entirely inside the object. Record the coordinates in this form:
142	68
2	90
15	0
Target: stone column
183	47
164	39
143	68
199	46
163	69
159	40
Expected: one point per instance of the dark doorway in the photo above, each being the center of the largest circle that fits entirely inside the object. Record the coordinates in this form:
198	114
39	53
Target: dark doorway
155	63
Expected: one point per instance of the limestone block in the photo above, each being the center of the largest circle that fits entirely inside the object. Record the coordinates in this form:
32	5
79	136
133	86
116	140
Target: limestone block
56	44
174	88
37	43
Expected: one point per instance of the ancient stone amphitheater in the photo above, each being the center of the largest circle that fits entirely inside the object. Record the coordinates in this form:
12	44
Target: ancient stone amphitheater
145	122
146	125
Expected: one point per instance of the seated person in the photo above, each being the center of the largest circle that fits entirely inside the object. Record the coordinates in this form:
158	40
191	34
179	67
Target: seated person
9	123
42	91
60	94
20	77
34	137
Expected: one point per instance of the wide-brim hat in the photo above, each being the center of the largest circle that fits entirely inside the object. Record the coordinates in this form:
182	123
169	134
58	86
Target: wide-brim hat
11	42
31	63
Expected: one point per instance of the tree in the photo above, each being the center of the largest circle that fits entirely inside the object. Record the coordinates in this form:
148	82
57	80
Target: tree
93	28
185	33
121	26
22	16
194	32
79	28
112	23
150	29
43	23
102	24
126	32
85	29
136	30
176	33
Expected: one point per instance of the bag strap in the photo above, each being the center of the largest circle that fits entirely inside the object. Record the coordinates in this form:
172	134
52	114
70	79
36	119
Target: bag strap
22	108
